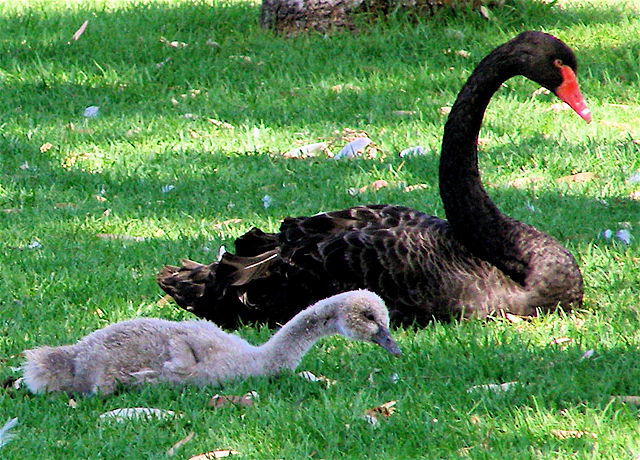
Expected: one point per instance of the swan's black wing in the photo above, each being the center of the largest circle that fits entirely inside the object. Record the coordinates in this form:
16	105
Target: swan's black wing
409	258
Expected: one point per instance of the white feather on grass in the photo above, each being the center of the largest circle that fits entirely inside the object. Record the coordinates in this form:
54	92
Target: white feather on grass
5	431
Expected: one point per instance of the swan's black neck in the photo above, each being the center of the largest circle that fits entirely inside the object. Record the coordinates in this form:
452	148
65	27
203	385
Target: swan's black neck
474	218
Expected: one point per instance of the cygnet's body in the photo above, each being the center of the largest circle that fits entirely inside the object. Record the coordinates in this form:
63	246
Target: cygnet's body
156	350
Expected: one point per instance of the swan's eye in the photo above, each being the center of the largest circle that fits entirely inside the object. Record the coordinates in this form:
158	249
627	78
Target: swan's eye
368	315
558	63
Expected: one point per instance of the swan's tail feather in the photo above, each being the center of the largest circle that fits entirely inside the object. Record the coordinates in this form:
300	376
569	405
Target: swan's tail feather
242	270
255	242
253	285
187	283
49	369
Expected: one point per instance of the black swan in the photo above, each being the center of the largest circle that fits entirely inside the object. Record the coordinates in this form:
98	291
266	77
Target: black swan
478	262
150	350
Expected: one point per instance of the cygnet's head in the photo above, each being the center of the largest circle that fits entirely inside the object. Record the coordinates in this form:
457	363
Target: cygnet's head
363	315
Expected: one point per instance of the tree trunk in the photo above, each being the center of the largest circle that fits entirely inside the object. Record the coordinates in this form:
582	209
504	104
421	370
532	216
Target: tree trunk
291	16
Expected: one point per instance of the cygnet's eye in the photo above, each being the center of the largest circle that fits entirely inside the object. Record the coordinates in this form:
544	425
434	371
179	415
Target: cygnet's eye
368	315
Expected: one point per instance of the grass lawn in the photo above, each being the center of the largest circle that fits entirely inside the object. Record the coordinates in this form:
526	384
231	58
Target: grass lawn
92	207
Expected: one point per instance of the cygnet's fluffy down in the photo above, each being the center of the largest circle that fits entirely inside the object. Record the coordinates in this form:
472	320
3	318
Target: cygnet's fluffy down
157	350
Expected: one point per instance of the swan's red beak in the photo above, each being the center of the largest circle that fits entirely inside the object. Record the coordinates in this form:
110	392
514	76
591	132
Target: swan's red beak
569	92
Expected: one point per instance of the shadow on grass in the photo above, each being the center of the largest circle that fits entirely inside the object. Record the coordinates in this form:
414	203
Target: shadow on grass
120	58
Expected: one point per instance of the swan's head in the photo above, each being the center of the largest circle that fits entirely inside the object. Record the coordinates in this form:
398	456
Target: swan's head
363	315
549	62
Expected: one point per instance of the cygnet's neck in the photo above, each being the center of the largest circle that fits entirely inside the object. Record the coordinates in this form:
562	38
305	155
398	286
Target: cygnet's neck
285	348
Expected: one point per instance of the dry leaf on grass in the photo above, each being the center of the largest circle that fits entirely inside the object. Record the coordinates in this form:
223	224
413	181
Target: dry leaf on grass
559	107
64	205
220	124
12	382
418	150
628	399
577	178
218	401
445	110
374	186
485	12
384	410
224	223
523	181
173	44
132	132
411	188
306	151
495	387
349	135
515	319
404	113
164	300
241	58
136	413
635	195
568	434
172	450
72	403
346	87
11	210
353	148
46	147
311	377
78	33
220	453
111	236
541	90
587	355
560	341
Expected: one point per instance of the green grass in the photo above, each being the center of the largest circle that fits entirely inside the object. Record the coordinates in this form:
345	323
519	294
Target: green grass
281	97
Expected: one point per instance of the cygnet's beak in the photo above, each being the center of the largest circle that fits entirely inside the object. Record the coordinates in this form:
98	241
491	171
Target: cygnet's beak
384	339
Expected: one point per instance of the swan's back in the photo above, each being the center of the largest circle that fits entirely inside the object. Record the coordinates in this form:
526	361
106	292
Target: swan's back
409	258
